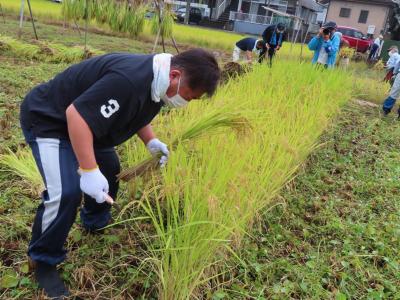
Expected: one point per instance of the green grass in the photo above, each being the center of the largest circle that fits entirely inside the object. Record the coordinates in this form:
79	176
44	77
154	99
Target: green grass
334	232
188	35
45	10
71	37
40	8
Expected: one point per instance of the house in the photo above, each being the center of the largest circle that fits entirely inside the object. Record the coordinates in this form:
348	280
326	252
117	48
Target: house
252	16
368	16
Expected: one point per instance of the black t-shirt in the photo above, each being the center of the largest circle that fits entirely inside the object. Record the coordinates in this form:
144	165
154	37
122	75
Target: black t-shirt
246	44
111	92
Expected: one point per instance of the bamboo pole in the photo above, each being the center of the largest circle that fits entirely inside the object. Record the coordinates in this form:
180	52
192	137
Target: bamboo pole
2	13
86	24
304	41
156	41
162	42
161	16
33	21
21	18
77	27
175	45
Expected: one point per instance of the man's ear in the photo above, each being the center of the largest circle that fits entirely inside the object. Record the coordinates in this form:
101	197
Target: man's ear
173	73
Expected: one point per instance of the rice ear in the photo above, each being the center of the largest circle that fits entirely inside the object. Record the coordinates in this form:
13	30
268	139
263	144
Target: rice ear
141	169
206	126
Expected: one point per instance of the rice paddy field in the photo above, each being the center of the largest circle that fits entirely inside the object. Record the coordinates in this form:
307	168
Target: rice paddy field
284	185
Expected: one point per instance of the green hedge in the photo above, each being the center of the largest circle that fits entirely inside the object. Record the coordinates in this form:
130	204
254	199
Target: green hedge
386	45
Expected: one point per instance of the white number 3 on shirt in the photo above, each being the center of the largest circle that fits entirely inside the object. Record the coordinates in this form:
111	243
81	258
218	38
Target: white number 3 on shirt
108	110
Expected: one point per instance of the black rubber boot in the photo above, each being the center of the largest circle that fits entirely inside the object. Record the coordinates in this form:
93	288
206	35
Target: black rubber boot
50	281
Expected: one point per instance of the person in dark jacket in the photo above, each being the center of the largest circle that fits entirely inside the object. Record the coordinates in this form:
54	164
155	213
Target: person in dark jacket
247	46
72	124
273	36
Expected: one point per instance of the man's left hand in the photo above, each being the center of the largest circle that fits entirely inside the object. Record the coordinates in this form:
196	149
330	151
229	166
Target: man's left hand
156	146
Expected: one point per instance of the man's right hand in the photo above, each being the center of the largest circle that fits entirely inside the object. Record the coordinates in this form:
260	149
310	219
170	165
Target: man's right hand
94	184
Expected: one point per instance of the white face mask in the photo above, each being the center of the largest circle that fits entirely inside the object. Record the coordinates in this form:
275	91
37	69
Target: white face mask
175	101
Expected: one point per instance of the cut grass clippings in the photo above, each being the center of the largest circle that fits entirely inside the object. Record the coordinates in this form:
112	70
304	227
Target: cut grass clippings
46	52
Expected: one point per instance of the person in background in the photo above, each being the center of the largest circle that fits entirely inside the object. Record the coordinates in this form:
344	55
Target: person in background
343	43
394	58
376	48
325	45
247	46
273	37
390	101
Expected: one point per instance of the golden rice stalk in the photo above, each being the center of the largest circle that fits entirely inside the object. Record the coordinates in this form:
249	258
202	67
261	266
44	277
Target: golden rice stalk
22	164
207	126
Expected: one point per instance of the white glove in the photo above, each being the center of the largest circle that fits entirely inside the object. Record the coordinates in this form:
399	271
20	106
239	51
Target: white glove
94	184
155	146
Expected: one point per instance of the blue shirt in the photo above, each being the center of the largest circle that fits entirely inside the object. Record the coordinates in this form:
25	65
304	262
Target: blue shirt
111	92
331	47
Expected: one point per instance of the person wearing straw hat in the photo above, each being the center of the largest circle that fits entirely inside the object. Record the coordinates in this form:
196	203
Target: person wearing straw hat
72	124
247	46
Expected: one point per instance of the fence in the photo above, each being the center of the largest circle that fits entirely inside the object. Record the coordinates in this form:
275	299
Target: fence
251	18
220	9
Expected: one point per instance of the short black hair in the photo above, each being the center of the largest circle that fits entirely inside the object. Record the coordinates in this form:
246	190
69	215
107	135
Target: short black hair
281	26
260	43
330	24
201	69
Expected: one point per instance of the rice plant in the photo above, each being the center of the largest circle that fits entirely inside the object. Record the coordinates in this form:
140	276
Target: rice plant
163	22
213	186
74	9
129	19
44	51
21	49
207	126
121	16
22	164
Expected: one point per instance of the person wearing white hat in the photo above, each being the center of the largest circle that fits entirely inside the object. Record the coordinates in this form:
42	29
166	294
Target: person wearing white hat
394	59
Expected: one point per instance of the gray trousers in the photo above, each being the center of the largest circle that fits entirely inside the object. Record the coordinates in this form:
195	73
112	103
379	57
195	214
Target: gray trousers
395	90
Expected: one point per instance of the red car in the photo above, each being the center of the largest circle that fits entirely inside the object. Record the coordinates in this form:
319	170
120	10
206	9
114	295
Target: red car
355	38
